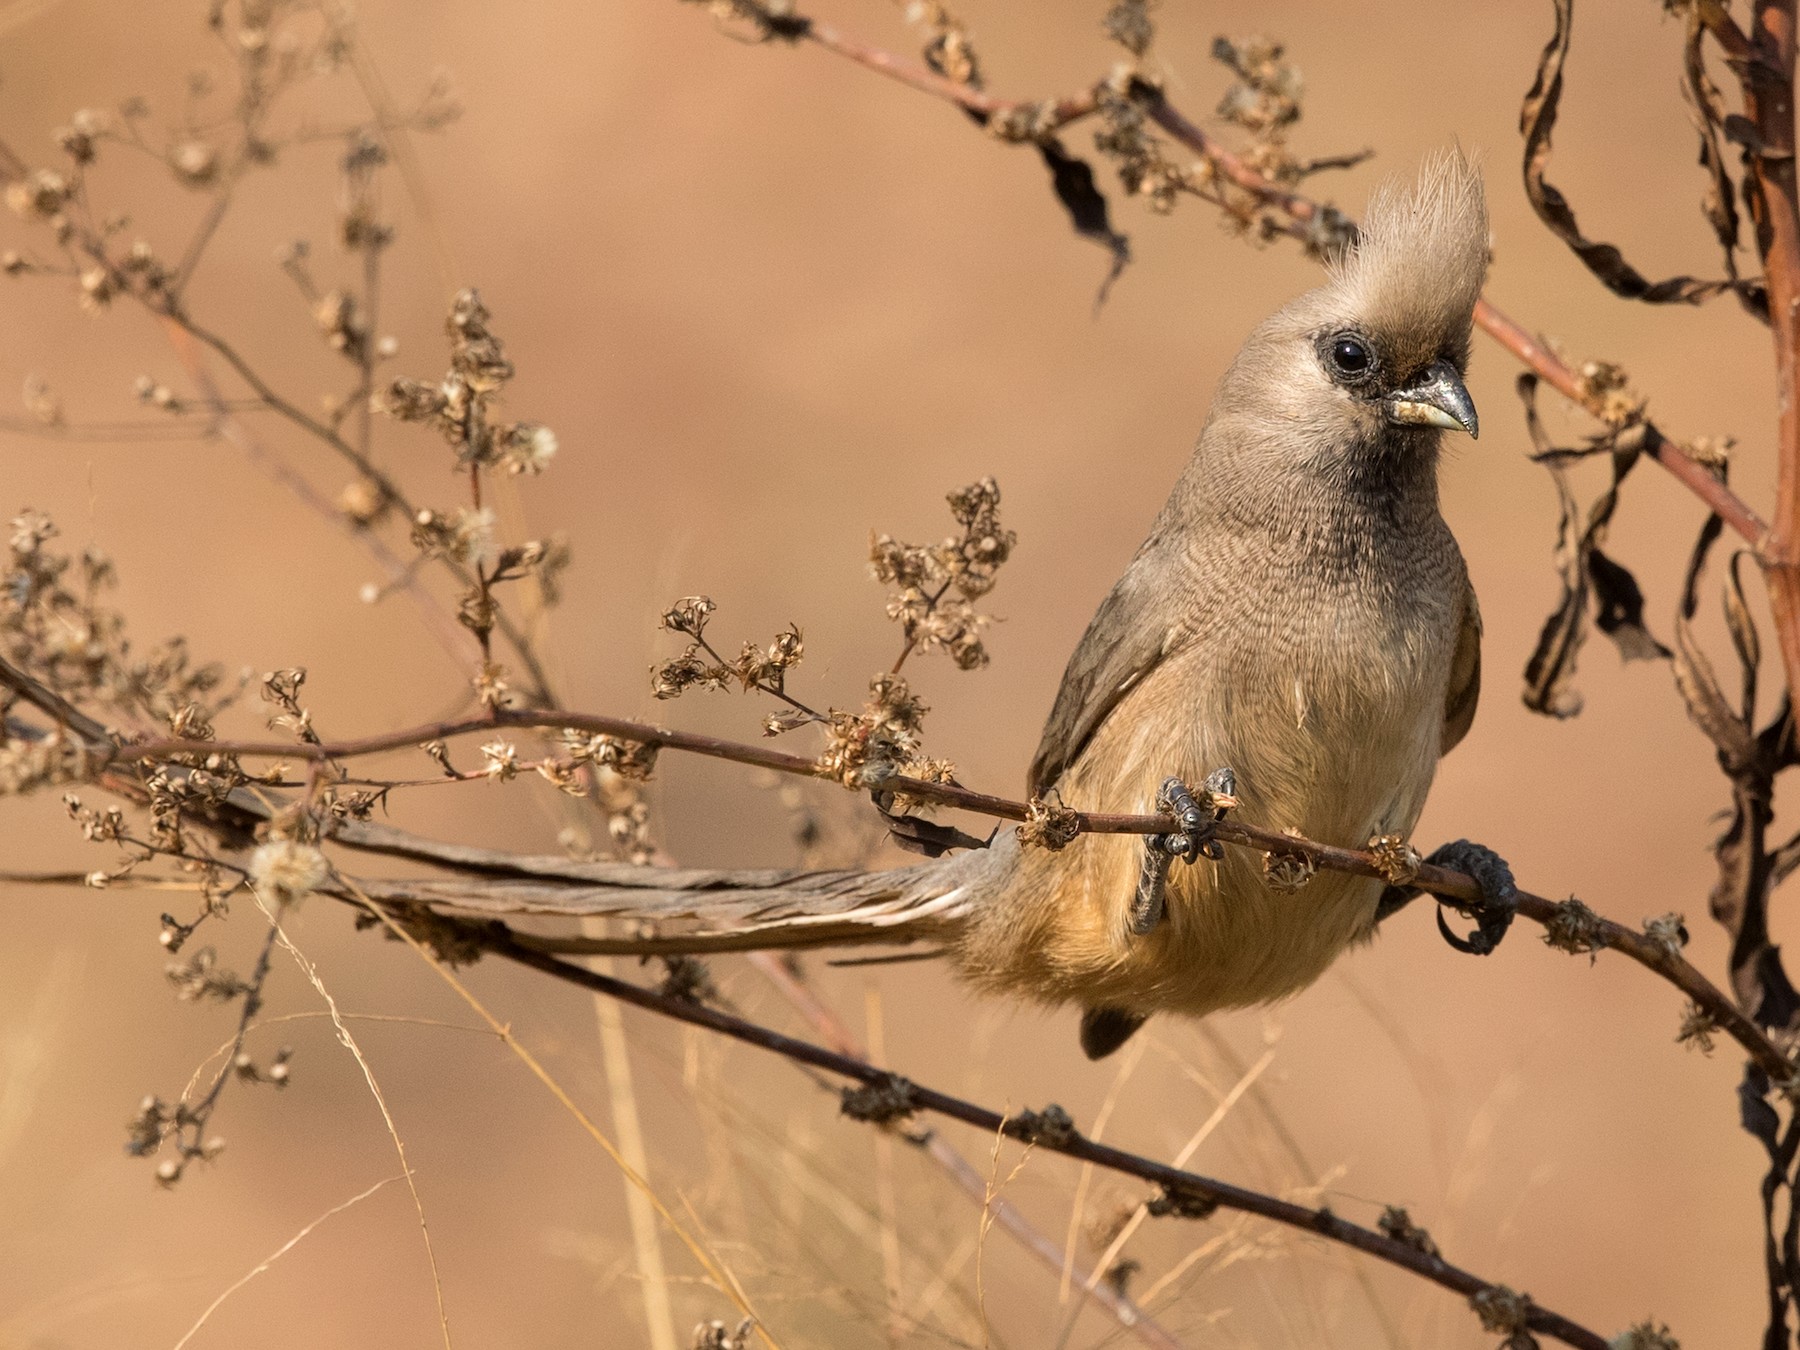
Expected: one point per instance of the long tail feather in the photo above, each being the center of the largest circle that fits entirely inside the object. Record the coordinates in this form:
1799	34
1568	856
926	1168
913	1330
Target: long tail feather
673	910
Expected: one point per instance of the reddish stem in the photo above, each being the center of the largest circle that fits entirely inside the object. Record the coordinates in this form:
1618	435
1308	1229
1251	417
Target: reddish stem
1768	81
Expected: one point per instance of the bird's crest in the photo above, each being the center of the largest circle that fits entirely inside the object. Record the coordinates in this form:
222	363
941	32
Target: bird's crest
1417	268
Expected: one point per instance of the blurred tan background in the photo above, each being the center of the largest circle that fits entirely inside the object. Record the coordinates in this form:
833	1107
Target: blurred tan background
769	301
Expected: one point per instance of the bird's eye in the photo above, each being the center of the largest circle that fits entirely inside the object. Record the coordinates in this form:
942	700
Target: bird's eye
1350	356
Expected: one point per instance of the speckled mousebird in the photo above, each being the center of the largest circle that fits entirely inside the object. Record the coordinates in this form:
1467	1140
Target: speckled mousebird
1300	614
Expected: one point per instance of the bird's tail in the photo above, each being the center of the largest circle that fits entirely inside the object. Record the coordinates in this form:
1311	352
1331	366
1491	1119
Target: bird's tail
661	911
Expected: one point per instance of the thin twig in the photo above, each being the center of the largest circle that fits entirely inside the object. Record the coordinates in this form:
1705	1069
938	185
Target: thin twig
452	637
180	320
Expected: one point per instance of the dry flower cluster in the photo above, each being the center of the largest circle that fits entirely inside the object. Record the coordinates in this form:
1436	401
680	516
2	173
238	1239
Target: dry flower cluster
933	602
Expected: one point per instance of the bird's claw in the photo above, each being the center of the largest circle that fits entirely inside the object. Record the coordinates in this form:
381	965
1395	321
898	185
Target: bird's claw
1192	840
1493	913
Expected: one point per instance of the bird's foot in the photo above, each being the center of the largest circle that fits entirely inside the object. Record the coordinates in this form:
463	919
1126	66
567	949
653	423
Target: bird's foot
1196	816
1493	913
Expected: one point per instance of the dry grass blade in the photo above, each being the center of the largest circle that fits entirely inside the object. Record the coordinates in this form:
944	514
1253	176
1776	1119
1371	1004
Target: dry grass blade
26	1055
715	1269
275	1256
886	1200
1206	1250
21	12
1278	1139
615	1057
1127	1066
349	1043
1199	1137
990	1197
1129	1314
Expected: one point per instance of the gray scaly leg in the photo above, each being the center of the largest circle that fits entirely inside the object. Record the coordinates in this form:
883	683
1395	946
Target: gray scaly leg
1191	841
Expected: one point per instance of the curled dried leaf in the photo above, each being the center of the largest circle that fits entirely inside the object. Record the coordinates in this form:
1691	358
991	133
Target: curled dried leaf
1595	587
1537	119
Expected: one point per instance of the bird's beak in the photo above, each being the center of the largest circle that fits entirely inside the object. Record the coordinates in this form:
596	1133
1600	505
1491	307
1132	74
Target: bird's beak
1436	399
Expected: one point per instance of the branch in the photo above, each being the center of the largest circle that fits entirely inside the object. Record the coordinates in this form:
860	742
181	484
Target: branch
1024	119
456	641
1199	1191
1572	924
181	327
1699	479
1718	22
1767	75
967	1178
1042	118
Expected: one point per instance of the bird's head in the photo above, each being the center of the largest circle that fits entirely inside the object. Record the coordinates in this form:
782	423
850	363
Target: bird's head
1371	364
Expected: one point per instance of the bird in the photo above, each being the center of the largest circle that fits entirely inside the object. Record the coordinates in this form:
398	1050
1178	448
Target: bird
1298	631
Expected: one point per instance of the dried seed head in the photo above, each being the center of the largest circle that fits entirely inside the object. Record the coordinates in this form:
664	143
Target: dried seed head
1502	1310
364	501
1128	24
1668	931
1397	860
411	401
467	536
1575	929
98	287
475	353
342	326
41	193
1266	98
501	760
491	687
867	748
528	448
1052	1126
1646	1335
1049	824
202	977
1606	388
286	870
689	615
564	775
195	163
1697	1028
1397	1224
79	139
1286	873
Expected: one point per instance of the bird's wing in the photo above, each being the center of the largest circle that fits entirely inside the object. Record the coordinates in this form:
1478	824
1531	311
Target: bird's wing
1127	638
1465	673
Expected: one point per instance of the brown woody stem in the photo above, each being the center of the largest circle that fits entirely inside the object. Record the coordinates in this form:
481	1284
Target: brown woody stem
1767	73
1440	881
